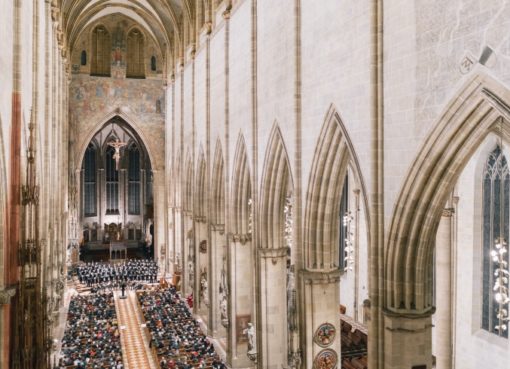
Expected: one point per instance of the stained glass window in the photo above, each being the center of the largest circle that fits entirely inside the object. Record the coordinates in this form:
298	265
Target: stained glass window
496	195
89	183
134	181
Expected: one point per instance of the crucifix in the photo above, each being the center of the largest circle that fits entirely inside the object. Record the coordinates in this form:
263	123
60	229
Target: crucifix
117	144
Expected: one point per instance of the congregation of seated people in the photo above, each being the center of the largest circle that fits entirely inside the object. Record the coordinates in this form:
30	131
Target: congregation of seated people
176	337
108	276
91	338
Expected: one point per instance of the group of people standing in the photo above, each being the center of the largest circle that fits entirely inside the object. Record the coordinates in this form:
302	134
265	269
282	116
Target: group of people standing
101	275
175	334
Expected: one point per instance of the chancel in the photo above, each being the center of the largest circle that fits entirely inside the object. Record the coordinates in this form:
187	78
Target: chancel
291	184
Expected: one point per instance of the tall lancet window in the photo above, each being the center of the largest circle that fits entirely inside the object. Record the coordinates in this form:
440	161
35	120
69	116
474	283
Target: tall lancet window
135	55
89	182
101	52
134	181
112	183
496	194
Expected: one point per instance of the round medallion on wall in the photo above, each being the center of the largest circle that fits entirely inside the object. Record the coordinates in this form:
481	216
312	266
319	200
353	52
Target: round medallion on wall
326	359
325	335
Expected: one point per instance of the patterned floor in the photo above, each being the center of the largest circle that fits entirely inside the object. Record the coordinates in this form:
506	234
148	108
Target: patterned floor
135	345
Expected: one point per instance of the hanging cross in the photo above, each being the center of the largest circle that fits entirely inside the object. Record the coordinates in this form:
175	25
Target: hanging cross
117	144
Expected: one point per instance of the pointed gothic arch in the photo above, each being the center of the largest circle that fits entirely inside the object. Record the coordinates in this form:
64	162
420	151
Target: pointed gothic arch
187	187
134	126
276	184
218	186
480	107
334	153
241	190
200	194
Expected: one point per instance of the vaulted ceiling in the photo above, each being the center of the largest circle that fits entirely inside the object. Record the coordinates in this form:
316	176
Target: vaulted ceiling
164	19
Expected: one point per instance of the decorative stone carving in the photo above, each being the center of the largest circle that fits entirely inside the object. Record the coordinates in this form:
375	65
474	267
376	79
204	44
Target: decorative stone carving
252	342
223	292
204	290
6	295
325	335
326	359
203	246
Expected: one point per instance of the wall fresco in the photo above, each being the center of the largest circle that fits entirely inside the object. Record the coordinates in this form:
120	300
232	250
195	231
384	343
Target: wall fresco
93	98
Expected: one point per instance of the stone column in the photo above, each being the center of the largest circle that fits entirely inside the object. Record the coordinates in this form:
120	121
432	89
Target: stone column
159	217
407	340
273	299
443	316
320	303
187	242
240	305
216	252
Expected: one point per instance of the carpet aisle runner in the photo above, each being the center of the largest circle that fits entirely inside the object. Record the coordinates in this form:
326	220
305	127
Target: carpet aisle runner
135	347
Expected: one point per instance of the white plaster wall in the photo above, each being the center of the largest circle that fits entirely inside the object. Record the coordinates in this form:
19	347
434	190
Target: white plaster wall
424	44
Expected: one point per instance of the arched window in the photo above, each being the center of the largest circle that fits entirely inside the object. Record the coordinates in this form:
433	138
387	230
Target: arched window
153	63
83	57
89	182
135	55
344	223
112	183
134	181
496	196
101	52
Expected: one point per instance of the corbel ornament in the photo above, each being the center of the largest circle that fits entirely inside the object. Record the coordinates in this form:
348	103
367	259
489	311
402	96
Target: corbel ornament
273	254
6	295
320	277
218	228
241	238
448	212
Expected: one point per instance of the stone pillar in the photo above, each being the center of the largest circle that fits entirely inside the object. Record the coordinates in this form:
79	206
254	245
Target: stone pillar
443	316
216	254
407	341
321	304
159	217
187	261
240	305
273	310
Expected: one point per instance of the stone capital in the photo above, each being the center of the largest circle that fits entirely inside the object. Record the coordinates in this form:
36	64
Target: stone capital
320	276
267	252
448	212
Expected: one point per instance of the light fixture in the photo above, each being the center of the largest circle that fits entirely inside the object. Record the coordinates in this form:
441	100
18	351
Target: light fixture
349	244
287	210
501	276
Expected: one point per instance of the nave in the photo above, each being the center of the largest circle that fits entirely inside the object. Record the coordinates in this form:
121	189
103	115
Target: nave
130	322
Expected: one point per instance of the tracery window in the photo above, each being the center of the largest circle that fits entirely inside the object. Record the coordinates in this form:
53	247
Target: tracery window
135	55
101	52
112	183
89	182
496	196
134	181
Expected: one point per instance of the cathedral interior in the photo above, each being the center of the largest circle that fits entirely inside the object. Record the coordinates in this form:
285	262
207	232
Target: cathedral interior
261	184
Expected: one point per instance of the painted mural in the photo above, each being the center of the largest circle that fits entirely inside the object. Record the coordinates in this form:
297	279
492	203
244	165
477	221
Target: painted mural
92	98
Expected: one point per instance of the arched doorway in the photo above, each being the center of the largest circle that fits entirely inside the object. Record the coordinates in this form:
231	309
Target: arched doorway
116	195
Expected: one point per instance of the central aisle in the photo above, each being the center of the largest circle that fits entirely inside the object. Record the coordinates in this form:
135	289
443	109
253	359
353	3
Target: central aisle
135	346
